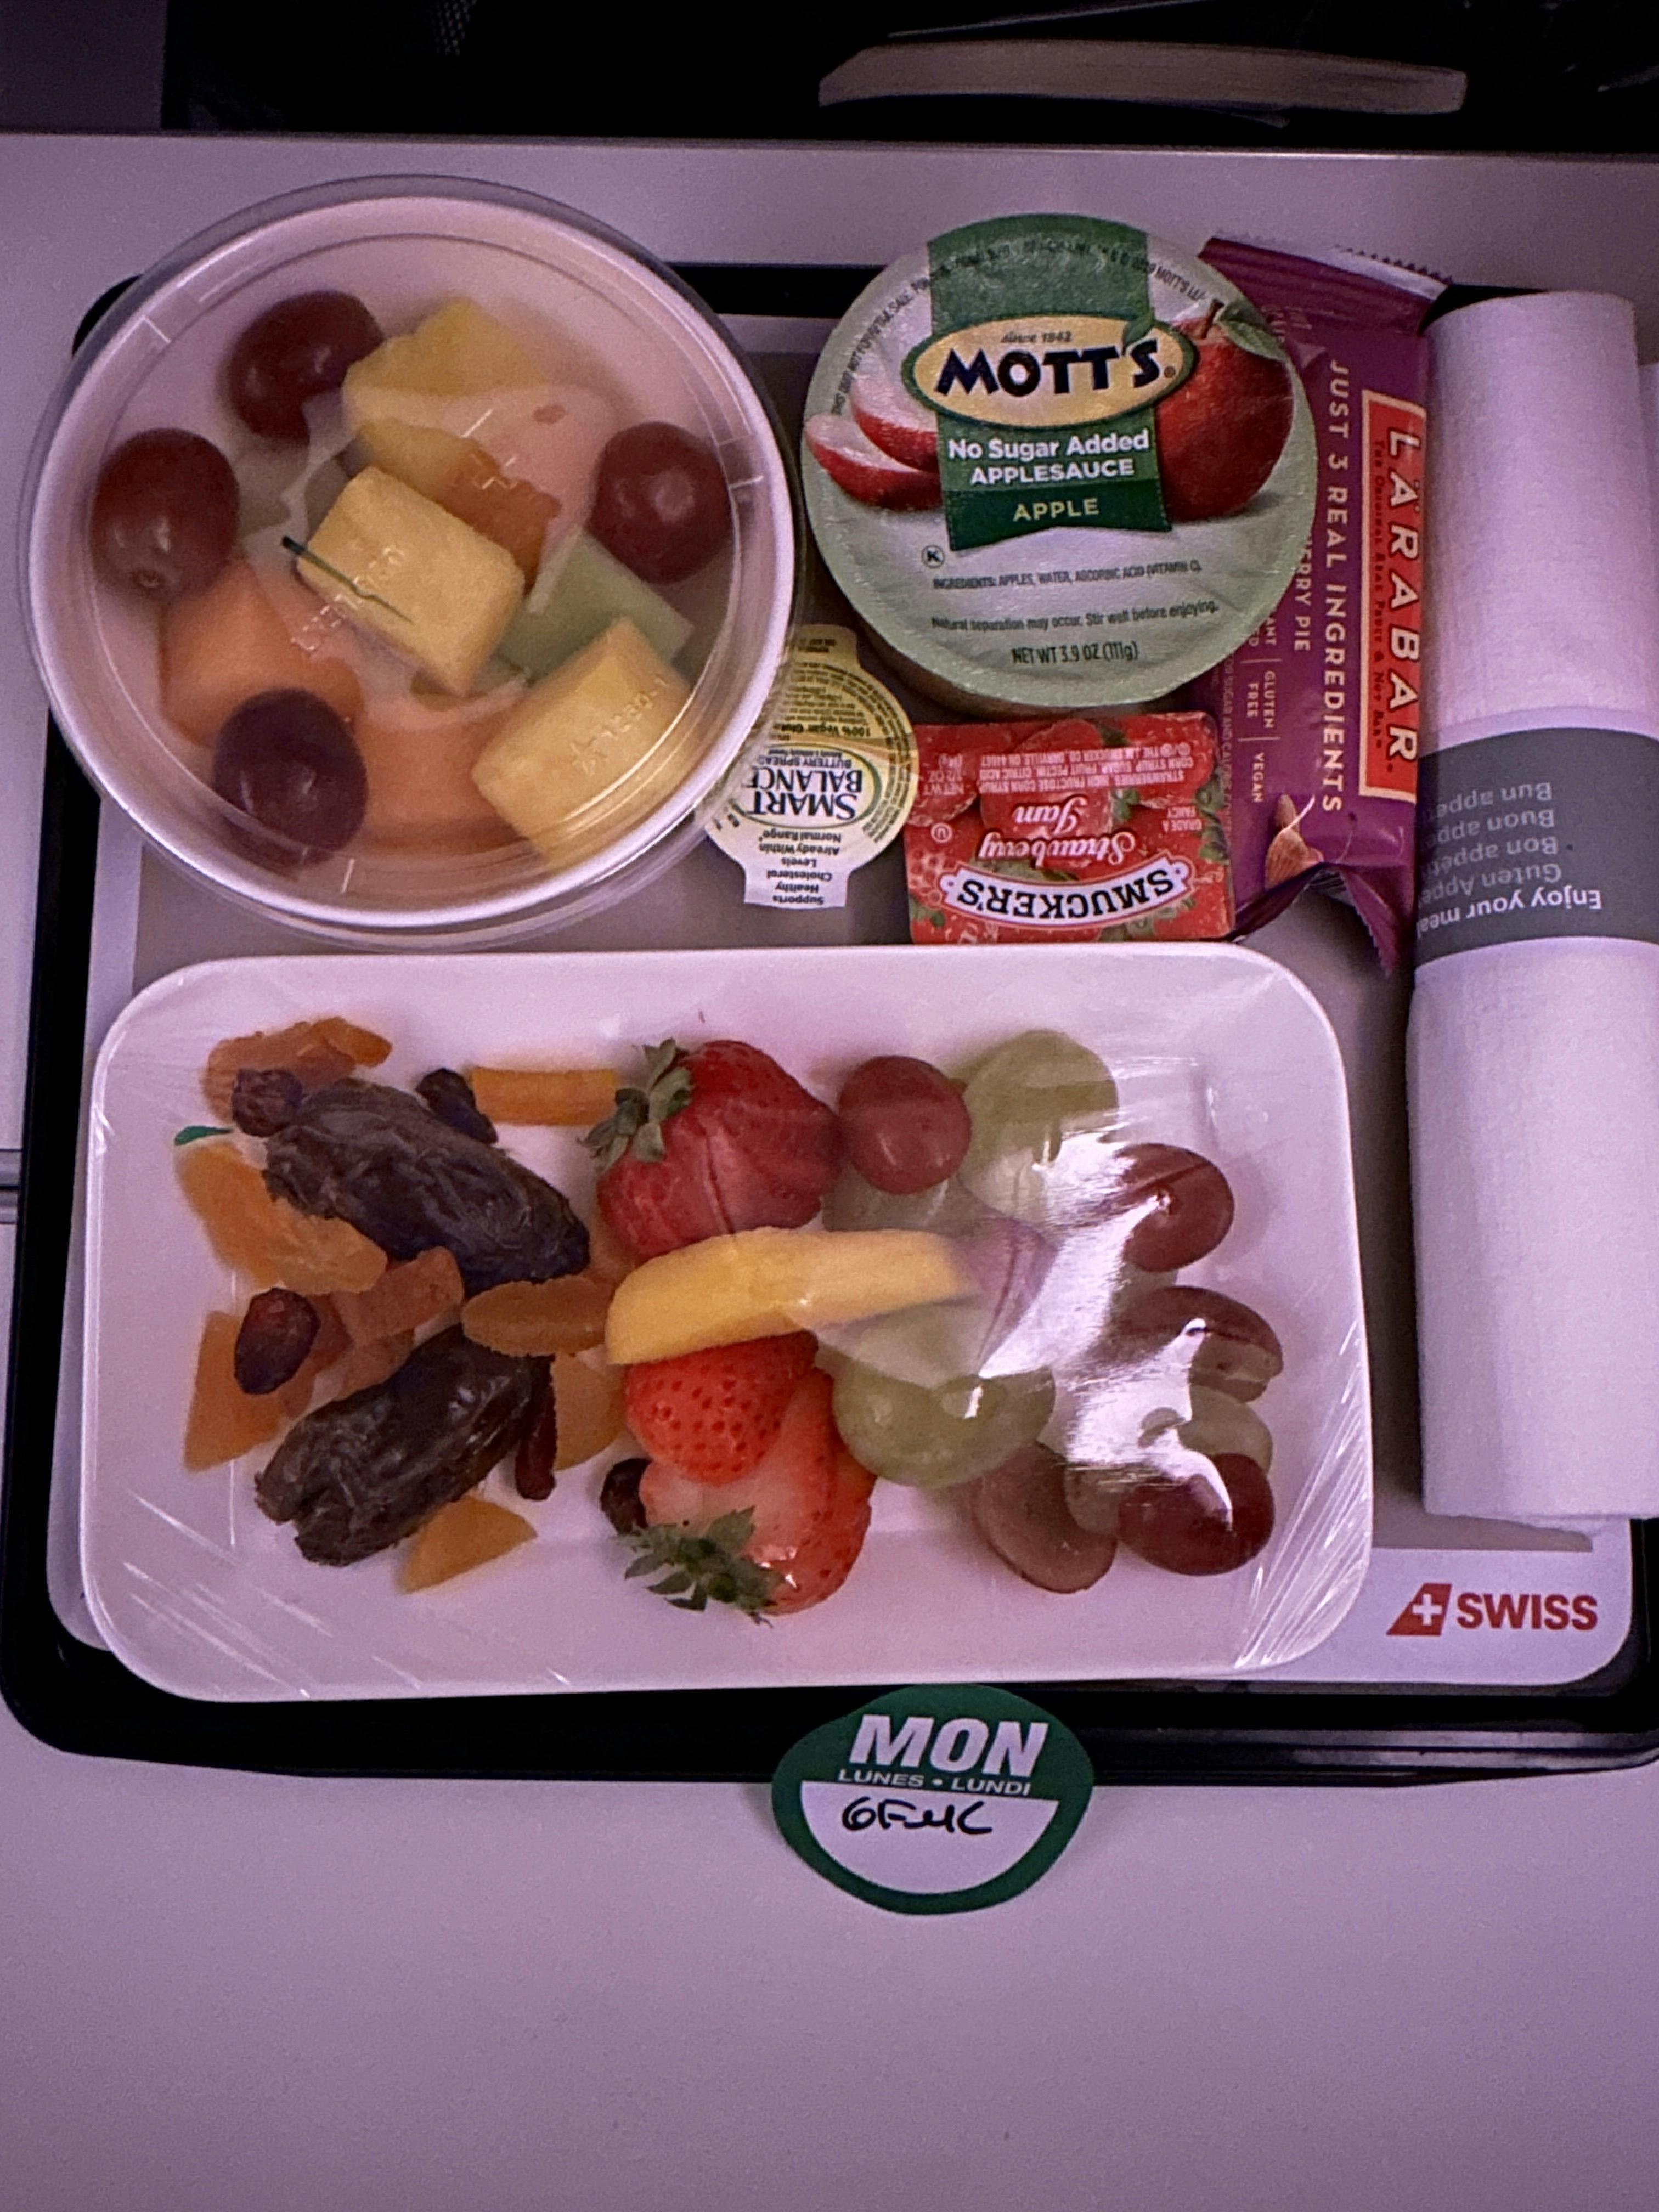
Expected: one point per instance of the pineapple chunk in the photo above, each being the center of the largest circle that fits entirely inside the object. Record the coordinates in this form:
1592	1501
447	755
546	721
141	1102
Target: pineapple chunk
589	750
457	350
581	591
433	589
769	1282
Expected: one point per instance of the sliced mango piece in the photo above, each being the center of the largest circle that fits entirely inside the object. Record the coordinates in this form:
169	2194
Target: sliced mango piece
591	748
580	592
221	645
465	1533
434	590
768	1282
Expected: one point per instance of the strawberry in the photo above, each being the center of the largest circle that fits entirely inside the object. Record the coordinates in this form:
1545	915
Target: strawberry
717	1139
713	1414
828	1555
777	1540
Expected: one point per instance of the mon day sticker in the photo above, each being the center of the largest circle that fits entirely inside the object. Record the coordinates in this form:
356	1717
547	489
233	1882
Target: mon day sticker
934	1799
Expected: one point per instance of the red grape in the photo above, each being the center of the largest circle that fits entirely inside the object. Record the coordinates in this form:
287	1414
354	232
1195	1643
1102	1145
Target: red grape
296	351
1020	1510
164	514
1185	1204
1206	1526
1228	1346
661	505
905	1125
288	760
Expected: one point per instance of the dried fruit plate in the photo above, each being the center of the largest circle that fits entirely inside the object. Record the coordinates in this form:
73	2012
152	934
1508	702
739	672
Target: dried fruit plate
1213	1047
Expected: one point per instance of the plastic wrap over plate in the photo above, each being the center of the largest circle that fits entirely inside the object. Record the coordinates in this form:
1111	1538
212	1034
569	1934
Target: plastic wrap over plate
1211	1049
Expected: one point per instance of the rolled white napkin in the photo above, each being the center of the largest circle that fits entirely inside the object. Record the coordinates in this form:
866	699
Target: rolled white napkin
1533	1063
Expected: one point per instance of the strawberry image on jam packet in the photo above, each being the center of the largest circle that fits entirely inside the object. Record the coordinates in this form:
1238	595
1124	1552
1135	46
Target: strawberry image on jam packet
1067	832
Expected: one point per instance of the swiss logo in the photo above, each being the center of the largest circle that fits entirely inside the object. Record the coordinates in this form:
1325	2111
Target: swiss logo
1427	1613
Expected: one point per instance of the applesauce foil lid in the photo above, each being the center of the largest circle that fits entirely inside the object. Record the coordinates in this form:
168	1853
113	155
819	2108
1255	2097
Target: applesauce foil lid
1054	464
826	783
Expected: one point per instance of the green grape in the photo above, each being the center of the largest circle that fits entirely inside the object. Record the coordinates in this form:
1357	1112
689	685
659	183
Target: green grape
947	1209
1042	1107
931	1439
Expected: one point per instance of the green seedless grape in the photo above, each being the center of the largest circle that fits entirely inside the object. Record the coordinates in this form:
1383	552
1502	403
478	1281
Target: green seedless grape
1042	1107
931	1439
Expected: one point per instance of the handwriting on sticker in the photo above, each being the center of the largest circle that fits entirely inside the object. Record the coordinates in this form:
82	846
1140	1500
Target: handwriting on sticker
955	1817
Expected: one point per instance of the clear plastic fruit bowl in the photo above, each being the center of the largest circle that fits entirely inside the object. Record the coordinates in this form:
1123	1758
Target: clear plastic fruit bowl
619	343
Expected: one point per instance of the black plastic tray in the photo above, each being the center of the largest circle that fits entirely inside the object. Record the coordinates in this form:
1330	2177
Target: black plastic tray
81	1699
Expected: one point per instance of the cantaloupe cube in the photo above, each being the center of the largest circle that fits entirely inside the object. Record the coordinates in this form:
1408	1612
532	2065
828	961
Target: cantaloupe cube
769	1282
419	756
581	591
241	634
432	588
591	749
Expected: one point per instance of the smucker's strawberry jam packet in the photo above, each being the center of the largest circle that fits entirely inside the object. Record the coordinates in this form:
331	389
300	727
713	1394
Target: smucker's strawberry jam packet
1318	710
1068	831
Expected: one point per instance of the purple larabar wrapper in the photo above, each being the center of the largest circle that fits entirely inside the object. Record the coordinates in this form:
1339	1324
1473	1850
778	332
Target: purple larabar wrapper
1318	711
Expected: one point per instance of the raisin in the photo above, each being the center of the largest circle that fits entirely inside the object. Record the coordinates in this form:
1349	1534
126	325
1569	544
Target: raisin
619	1498
532	1466
264	1099
277	1331
450	1097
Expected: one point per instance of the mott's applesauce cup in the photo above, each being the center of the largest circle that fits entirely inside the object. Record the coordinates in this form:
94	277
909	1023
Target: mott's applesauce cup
1056	465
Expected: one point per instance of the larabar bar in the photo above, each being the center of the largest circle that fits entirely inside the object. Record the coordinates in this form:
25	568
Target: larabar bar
1318	711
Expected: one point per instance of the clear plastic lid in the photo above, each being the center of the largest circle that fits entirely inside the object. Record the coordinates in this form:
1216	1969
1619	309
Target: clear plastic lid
530	540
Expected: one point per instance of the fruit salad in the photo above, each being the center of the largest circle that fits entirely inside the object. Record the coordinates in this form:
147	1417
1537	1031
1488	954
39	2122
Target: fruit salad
429	592
956	1281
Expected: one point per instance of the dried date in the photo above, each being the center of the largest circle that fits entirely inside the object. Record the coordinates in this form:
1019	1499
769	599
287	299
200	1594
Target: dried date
274	1341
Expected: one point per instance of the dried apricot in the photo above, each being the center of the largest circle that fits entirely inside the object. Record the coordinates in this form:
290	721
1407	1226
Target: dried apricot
318	1052
264	1238
587	1402
365	1364
539	1319
546	1097
406	1298
464	1535
608	1258
224	1421
365	1048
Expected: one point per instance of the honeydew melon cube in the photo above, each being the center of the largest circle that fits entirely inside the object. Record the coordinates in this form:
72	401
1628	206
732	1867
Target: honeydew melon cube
581	591
431	586
770	1282
590	748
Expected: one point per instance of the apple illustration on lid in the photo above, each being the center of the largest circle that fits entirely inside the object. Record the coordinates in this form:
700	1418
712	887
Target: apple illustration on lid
1221	433
1056	466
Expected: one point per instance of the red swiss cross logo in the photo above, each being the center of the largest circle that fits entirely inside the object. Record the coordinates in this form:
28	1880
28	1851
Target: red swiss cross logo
1427	1613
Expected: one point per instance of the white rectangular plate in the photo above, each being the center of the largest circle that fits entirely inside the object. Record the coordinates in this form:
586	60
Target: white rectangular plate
1213	1048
